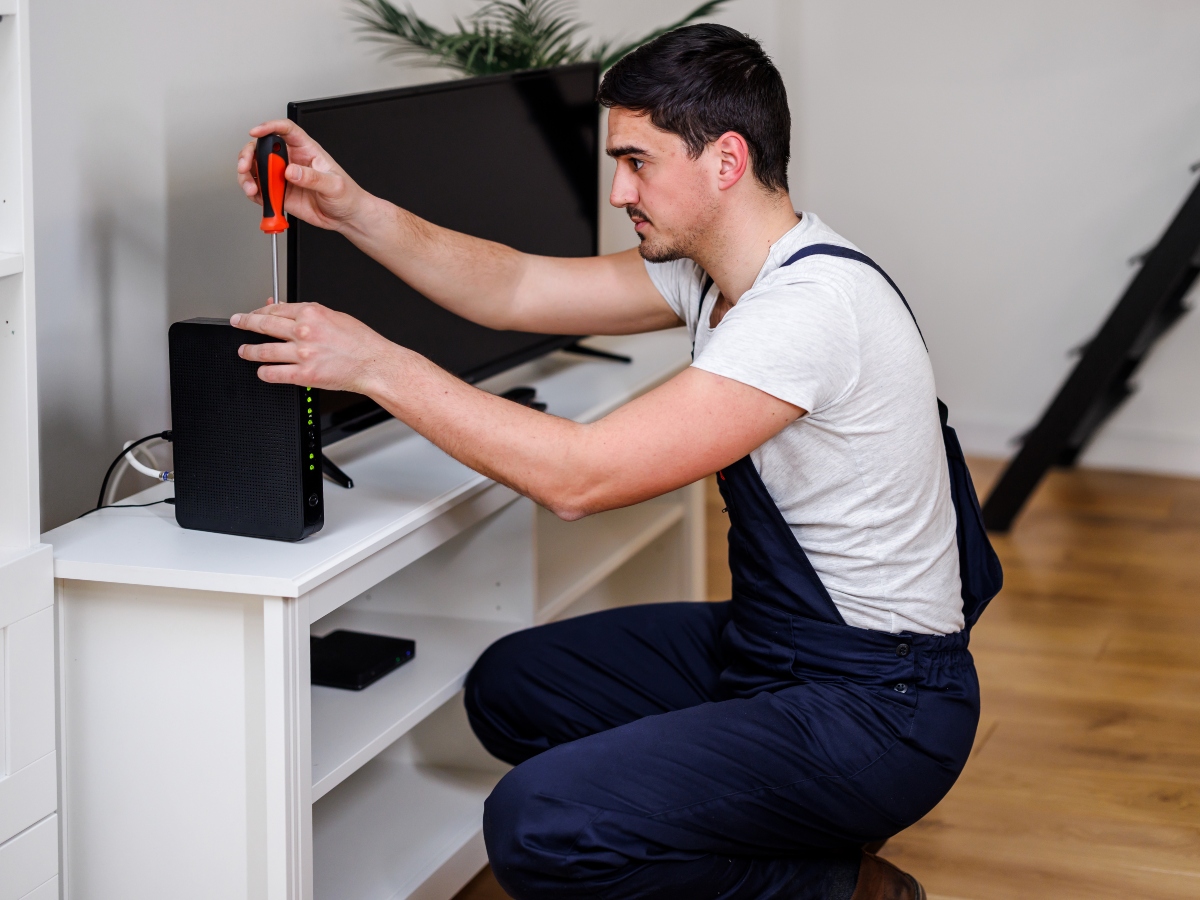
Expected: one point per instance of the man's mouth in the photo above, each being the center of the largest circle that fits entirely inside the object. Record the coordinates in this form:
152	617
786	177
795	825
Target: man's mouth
640	220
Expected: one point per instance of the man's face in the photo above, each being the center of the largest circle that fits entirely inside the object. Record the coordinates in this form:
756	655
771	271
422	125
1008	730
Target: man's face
671	198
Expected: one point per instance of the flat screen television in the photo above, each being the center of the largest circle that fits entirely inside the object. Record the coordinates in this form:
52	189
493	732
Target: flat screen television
511	158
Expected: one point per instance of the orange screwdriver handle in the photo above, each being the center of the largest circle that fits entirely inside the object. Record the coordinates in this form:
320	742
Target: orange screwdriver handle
270	152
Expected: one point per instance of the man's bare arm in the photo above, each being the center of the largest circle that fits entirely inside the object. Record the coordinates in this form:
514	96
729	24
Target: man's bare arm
480	280
687	428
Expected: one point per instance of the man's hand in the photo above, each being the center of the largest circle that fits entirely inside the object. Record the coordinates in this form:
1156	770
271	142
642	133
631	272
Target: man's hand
319	191
322	348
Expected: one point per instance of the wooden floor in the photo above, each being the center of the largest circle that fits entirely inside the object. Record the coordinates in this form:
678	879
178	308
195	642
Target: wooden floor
1084	783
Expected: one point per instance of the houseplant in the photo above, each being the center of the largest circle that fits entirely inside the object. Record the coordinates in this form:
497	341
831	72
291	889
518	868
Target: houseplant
500	36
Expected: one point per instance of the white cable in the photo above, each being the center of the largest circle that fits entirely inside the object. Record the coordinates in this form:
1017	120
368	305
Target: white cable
156	474
127	462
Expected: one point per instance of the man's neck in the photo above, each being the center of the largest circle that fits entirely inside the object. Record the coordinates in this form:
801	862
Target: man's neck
736	251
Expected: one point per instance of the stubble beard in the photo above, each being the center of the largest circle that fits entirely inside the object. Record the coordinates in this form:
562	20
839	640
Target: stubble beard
655	252
658	249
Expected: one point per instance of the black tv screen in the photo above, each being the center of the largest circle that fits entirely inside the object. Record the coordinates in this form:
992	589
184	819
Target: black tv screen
511	158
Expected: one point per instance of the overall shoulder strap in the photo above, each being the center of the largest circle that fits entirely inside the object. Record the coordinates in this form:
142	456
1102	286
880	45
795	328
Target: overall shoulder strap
847	253
705	287
978	566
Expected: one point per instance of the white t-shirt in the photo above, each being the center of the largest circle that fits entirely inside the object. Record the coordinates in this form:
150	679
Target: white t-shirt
862	478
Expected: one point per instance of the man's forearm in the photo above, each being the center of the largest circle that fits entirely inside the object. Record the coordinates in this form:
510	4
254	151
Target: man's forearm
543	457
469	276
503	288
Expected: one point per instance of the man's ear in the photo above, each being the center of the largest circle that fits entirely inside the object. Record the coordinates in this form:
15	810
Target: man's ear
733	154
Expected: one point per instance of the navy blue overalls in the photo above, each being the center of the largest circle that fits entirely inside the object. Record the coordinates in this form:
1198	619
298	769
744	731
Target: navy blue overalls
745	749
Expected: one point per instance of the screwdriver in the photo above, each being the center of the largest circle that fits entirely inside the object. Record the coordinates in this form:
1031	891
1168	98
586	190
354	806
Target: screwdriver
270	153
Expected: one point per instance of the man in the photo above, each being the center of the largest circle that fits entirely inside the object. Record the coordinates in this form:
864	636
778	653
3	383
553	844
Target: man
747	749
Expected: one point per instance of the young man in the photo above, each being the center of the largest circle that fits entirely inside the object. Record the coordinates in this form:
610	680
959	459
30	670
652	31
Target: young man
746	749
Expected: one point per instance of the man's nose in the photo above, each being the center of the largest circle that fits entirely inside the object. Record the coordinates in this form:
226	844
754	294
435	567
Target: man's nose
624	191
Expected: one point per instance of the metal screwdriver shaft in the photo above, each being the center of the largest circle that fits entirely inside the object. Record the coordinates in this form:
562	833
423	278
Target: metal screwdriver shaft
271	157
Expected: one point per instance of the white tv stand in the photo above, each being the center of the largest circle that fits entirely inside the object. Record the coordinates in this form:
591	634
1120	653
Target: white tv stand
197	760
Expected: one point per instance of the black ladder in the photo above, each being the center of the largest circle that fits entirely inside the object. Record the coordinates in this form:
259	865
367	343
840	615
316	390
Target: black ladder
1100	381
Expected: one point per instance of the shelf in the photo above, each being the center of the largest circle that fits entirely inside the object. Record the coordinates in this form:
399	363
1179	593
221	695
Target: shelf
574	557
349	728
10	263
397	826
407	494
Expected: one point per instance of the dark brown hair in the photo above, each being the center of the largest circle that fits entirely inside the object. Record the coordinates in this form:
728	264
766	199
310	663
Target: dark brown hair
701	81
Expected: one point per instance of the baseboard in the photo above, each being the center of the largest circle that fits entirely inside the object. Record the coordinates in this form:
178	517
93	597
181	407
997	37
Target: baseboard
1141	452
1113	448
984	438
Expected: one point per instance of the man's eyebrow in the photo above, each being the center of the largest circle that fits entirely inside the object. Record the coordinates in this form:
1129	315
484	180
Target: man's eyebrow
618	152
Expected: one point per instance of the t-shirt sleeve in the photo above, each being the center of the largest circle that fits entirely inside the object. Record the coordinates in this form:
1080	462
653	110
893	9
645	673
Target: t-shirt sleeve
679	283
797	342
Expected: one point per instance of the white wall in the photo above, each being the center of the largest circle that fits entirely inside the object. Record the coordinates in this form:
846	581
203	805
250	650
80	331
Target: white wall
1001	160
140	107
139	110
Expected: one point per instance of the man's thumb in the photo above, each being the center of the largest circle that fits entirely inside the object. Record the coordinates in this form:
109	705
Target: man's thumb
302	176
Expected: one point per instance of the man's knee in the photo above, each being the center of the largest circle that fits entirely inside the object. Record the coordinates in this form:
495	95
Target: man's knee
487	680
494	698
532	837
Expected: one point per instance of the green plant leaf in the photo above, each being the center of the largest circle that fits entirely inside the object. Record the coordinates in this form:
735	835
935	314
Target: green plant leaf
606	56
500	36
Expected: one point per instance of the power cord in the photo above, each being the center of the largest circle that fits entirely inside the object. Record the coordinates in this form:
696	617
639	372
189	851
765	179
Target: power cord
170	501
100	504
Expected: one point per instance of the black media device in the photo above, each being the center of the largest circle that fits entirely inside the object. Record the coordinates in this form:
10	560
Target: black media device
511	158
247	453
352	660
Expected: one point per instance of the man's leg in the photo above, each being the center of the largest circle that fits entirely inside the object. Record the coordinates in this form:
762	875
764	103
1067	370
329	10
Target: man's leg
636	784
745	799
539	688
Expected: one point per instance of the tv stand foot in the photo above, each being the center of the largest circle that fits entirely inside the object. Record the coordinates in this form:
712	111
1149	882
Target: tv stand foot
582	350
331	471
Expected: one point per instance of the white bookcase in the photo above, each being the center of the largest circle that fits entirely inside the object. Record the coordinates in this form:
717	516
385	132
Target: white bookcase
28	764
198	760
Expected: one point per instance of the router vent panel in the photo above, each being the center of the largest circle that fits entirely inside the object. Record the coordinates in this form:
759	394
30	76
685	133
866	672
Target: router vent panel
242	447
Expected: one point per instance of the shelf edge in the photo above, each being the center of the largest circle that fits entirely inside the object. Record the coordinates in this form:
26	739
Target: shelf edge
11	263
345	769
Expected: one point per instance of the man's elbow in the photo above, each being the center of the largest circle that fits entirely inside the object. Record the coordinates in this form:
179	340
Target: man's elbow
568	513
572	505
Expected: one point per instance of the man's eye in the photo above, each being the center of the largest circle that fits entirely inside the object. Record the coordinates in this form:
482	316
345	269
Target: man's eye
637	164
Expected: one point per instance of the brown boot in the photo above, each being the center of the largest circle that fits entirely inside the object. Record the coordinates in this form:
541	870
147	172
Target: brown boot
878	879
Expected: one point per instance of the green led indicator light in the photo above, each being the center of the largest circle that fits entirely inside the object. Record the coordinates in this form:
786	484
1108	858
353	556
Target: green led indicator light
310	410
310	421
310	456
308	399
310	468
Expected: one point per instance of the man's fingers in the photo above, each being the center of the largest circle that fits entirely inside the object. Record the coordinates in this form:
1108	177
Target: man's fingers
266	322
285	128
246	174
321	182
293	135
286	310
269	353
280	374
245	158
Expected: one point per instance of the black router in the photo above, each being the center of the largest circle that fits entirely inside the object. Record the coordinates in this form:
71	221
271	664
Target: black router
247	453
